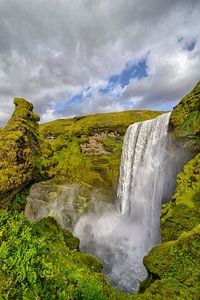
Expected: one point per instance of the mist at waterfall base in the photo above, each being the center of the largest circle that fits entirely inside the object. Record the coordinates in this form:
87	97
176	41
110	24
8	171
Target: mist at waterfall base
121	235
117	241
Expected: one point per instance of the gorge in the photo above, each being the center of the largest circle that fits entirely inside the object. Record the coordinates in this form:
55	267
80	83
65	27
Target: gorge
63	175
121	236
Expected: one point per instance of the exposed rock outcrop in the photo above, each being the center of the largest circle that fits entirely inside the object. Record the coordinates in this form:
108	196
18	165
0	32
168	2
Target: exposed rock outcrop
95	144
63	202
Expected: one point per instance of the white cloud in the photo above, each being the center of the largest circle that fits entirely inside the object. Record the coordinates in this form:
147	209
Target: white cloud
171	73
50	50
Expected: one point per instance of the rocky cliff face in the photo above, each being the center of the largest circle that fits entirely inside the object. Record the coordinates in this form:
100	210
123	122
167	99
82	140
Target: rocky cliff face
19	151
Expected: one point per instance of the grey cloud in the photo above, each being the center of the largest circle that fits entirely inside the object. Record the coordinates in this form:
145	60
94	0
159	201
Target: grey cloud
50	49
170	77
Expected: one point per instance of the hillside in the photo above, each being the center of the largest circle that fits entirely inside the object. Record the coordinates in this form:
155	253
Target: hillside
92	144
66	166
84	163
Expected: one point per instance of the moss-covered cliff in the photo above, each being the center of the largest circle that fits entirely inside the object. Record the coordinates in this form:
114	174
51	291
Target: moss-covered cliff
173	266
87	149
19	151
84	165
42	260
185	120
183	213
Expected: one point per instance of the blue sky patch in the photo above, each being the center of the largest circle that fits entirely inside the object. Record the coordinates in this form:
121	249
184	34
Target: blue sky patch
131	70
113	88
73	100
188	45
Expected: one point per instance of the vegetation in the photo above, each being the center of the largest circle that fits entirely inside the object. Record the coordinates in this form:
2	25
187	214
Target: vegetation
41	260
19	151
173	266
185	119
183	214
92	145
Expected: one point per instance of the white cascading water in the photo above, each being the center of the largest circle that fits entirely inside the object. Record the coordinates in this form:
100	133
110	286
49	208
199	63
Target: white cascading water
122	237
143	176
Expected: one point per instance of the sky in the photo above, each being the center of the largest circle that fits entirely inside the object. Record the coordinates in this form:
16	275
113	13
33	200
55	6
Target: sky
94	56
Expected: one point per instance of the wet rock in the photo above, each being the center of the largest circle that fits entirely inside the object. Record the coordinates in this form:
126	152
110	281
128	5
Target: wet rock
64	202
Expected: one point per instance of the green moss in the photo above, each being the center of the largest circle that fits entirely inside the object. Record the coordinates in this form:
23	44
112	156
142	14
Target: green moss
188	184
23	103
55	233
37	263
20	151
183	213
18	202
88	125
93	263
179	219
175	267
185	119
87	150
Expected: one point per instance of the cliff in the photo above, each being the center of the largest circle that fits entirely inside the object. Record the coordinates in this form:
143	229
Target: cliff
185	120
82	157
92	145
173	266
84	166
43	258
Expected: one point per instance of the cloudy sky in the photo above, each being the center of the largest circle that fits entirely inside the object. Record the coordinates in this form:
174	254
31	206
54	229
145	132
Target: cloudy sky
86	56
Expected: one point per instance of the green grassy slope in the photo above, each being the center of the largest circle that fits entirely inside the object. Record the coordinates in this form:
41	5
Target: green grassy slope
87	149
42	261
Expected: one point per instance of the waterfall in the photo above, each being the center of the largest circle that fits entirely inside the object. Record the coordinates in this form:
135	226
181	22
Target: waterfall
122	237
143	175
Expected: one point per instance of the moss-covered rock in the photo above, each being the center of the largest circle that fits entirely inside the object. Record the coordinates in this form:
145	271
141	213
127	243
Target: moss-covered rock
20	151
183	213
185	119
87	150
42	260
174	266
65	202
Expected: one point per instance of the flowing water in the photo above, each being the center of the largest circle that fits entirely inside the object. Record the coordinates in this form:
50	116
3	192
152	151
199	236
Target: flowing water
122	236
143	175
